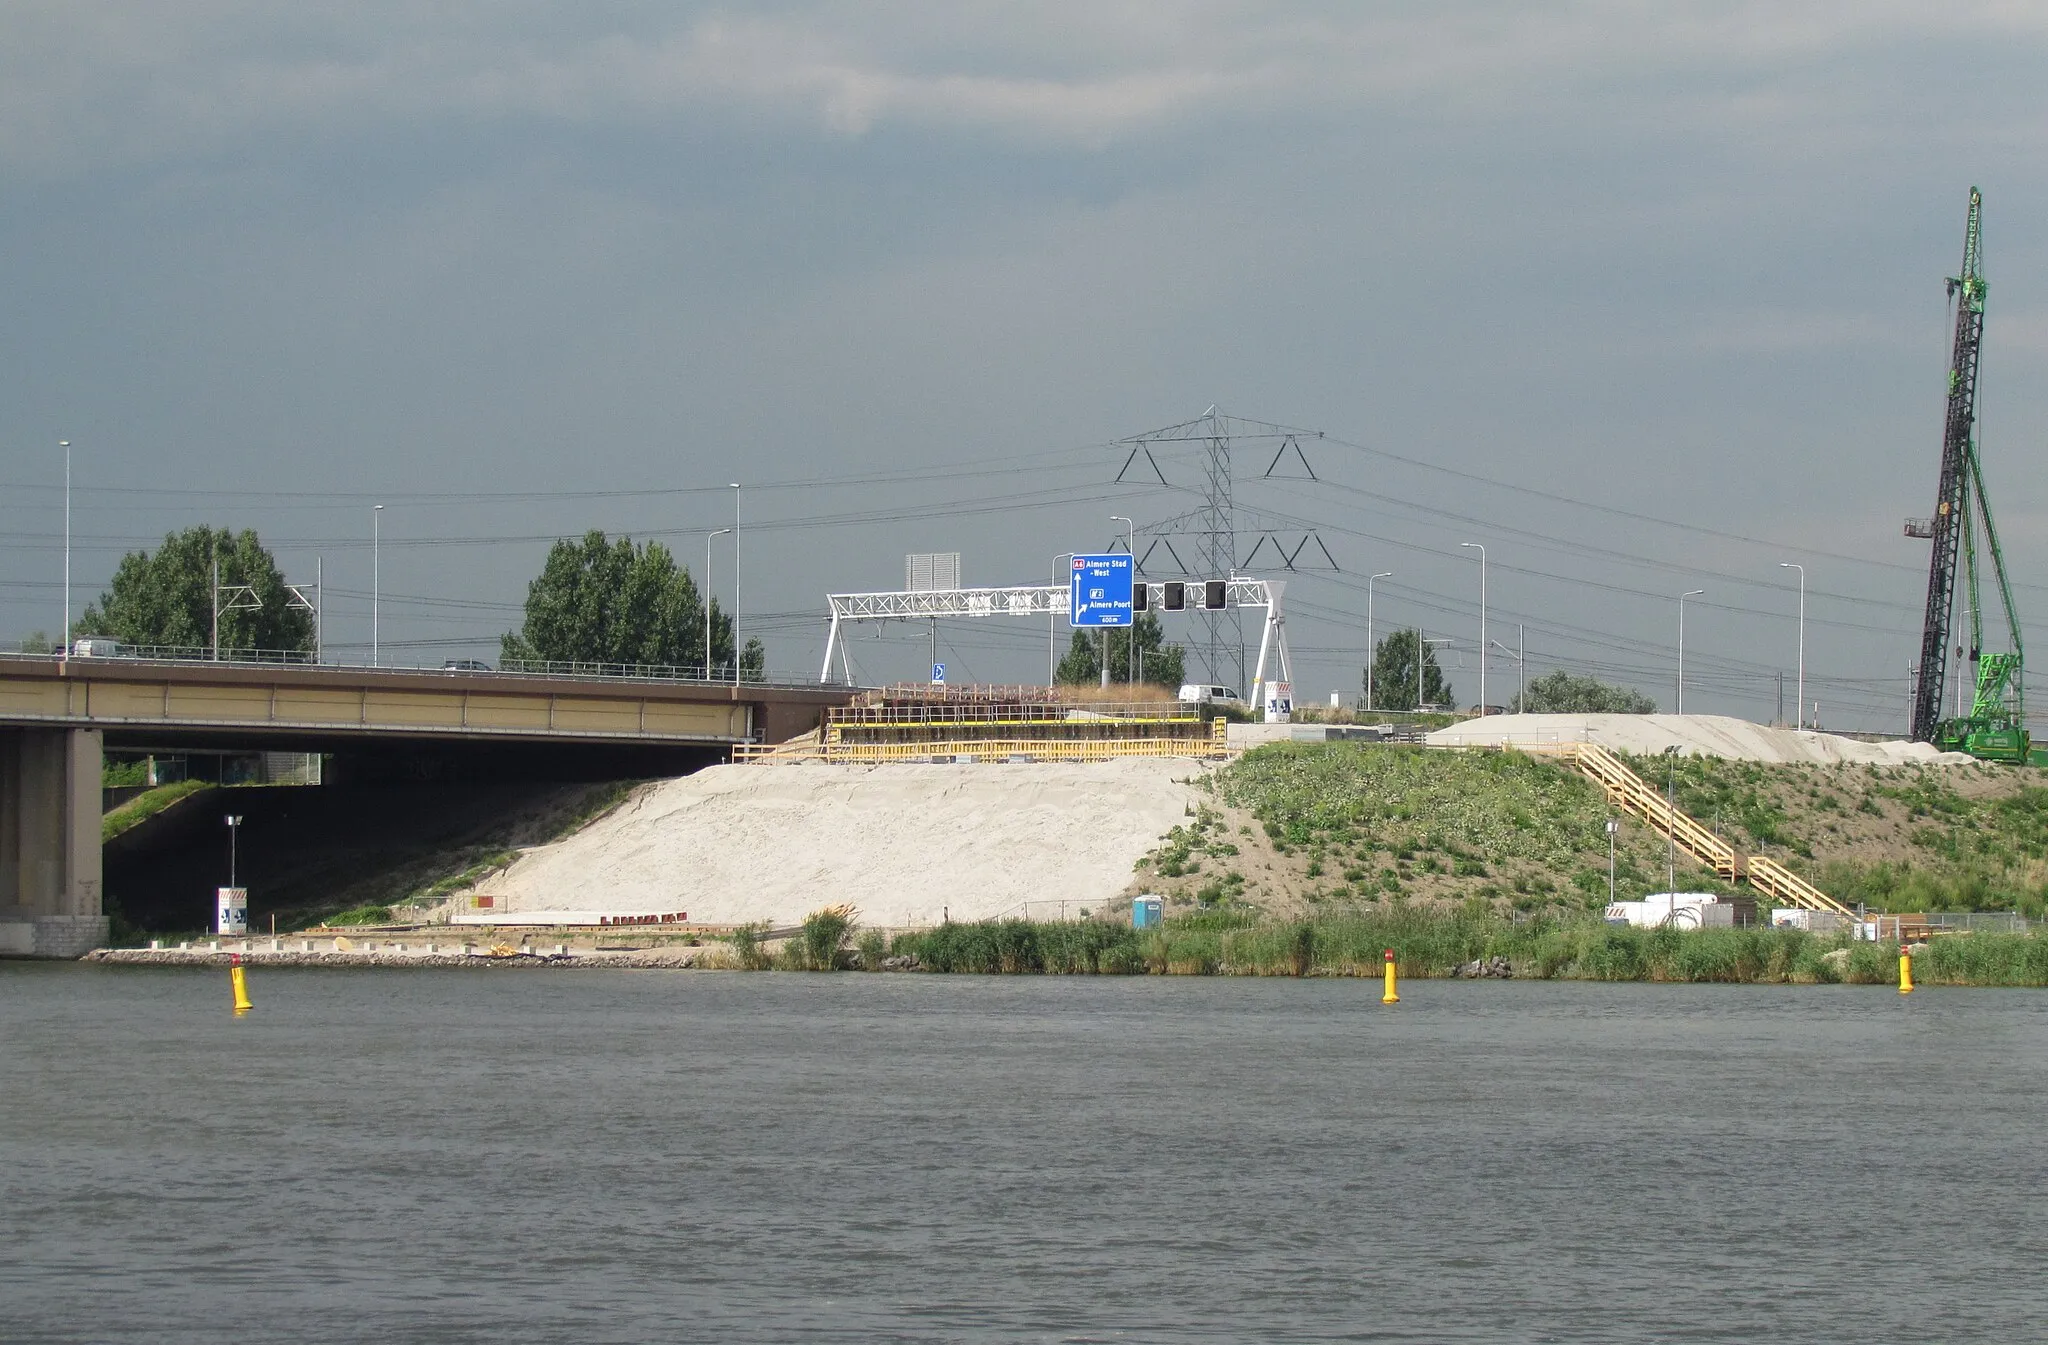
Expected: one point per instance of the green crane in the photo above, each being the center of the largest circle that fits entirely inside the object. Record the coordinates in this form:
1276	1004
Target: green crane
1995	729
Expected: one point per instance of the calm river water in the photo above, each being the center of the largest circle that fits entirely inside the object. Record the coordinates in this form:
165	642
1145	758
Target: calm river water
647	1156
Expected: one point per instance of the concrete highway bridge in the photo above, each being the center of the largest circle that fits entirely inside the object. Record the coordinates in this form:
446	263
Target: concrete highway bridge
58	715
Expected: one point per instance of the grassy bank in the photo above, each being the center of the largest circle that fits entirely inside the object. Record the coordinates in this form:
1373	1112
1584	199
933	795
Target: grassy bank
142	807
1436	945
1900	838
1294	828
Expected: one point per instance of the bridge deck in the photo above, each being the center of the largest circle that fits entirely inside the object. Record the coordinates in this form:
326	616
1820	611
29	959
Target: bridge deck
324	701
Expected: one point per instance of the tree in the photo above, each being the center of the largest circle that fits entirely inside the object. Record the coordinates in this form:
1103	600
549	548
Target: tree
1162	664
165	597
1393	674
602	601
1560	693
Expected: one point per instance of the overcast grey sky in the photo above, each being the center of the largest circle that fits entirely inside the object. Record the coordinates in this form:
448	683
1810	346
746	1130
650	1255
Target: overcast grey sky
524	269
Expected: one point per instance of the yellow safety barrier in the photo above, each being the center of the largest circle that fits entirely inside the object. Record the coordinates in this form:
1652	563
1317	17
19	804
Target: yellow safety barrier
985	749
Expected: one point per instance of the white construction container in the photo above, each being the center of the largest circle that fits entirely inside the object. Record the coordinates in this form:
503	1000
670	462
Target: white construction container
1683	910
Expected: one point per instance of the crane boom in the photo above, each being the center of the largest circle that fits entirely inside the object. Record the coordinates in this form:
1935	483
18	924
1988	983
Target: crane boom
1956	451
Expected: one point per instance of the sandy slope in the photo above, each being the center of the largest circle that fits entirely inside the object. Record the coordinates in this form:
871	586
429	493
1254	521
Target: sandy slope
1701	735
905	843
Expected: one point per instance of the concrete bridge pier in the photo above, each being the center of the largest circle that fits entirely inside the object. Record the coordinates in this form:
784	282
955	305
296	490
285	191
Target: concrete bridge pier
50	842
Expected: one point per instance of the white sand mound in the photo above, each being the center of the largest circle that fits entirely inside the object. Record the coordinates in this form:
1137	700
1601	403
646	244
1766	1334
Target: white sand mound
1693	735
907	844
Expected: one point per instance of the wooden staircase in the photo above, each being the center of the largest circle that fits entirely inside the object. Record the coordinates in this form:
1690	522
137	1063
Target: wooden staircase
1629	792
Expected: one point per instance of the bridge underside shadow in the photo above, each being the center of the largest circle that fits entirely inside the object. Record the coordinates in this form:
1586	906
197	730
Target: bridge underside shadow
390	811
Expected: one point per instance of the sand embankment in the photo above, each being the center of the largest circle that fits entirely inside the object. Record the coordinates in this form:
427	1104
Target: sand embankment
1693	735
907	844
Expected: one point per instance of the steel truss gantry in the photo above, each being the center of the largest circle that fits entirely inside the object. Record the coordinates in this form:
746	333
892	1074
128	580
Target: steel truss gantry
1046	599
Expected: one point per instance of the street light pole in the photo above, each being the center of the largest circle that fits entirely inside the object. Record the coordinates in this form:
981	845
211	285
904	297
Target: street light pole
1689	593
65	444
1799	705
1671	833
707	598
376	579
1371	653
736	647
1612	827
1482	624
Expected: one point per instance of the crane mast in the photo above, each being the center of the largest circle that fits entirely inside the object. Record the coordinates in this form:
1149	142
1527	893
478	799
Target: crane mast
1946	527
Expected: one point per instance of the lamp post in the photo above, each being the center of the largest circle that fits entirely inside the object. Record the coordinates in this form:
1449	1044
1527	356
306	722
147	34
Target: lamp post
376	578
1130	641
735	584
1689	593
1371	652
1482	624
65	444
1612	827
1671	830
707	598
234	821
1799	705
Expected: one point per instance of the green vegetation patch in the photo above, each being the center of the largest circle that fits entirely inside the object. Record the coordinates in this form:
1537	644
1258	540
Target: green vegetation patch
361	915
1429	944
145	806
1479	808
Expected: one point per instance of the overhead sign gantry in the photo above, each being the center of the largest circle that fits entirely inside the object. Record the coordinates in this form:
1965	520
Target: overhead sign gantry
1126	598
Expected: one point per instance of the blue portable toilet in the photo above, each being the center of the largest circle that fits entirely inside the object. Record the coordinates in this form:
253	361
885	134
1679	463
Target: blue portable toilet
1146	911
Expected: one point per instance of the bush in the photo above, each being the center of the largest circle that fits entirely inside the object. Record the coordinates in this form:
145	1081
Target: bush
746	947
824	936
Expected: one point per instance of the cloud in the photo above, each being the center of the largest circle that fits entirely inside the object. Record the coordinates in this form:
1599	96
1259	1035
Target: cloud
84	86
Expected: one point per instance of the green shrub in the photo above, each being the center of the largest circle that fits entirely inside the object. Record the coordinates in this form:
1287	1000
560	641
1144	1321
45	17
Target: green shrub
824	936
362	915
747	949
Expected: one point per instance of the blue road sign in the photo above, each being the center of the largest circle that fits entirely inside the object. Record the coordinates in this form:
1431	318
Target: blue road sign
1100	594
938	674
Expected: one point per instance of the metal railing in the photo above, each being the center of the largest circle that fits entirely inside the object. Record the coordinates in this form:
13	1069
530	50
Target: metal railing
1631	793
184	655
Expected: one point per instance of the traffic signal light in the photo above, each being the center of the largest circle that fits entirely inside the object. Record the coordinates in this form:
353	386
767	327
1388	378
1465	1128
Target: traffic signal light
1213	594
1141	596
1175	595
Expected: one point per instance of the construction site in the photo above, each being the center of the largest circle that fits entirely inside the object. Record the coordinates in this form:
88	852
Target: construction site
925	803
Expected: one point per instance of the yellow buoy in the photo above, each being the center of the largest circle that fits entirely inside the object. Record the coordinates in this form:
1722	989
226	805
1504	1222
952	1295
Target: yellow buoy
1390	997
241	985
1905	971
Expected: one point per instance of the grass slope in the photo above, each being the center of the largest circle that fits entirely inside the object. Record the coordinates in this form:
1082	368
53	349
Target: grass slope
1294	828
1968	838
1299	827
144	806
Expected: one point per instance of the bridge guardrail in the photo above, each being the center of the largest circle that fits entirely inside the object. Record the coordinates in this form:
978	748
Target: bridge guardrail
186	656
